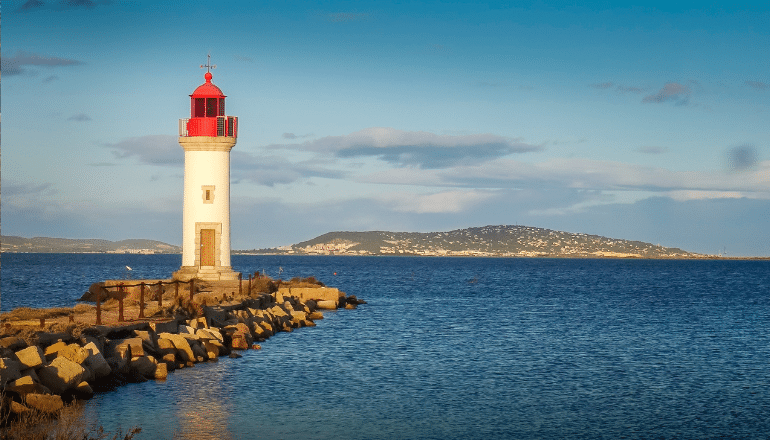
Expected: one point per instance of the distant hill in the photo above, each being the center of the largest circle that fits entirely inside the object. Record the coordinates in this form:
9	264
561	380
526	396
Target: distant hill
488	241
66	245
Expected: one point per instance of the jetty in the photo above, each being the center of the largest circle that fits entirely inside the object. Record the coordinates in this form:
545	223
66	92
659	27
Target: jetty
127	331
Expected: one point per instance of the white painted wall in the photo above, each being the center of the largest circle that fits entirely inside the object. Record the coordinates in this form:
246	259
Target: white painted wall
202	168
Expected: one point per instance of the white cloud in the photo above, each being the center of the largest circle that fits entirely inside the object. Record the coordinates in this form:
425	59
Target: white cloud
455	201
415	148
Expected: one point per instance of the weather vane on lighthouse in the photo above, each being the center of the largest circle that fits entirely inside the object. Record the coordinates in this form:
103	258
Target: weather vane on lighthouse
208	65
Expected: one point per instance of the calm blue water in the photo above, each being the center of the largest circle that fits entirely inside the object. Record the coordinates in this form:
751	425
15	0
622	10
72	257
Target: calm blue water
464	348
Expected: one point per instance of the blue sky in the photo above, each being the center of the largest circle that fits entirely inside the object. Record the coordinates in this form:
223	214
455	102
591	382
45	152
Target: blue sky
646	122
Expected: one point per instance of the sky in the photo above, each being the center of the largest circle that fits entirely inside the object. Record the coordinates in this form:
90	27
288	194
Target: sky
645	122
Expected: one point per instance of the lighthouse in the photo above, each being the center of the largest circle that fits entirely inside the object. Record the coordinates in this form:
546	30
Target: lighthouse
207	137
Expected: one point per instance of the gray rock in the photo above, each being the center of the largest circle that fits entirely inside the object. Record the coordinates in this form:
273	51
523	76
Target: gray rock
10	370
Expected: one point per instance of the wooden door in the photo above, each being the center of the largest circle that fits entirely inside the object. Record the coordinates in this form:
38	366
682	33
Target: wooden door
207	247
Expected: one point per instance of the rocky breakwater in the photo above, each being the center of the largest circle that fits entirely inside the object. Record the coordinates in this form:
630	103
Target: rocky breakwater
40	371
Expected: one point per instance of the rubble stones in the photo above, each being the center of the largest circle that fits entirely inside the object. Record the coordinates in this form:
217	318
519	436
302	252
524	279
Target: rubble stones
66	366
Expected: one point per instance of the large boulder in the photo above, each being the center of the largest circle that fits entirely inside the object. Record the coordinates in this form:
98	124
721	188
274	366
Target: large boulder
61	375
96	289
181	344
327	305
125	348
149	341
26	385
14	343
52	351
47	403
118	364
210	334
10	370
212	349
198	323
239	341
31	357
96	361
199	351
161	371
83	391
75	353
315	293
145	366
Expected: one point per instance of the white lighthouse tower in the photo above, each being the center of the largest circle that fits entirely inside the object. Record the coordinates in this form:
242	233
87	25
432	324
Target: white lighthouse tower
207	138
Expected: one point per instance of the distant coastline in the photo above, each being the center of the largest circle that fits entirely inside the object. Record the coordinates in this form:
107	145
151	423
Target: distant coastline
502	241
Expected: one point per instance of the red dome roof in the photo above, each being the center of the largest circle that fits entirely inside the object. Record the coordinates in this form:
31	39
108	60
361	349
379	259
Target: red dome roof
207	89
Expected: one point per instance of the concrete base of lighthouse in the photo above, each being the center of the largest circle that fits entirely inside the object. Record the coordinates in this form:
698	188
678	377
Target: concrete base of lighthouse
207	273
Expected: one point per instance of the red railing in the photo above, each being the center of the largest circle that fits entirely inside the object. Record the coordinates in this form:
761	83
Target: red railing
221	125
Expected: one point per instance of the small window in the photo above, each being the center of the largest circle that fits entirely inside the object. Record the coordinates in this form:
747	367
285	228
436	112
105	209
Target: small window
199	107
211	107
208	193
221	106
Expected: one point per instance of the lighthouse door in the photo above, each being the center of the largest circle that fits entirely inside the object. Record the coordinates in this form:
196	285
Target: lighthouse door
207	247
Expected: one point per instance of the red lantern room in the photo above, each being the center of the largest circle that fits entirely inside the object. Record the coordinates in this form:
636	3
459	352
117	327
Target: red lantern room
207	113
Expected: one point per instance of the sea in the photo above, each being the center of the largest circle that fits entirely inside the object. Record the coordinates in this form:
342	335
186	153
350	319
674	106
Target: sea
460	348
